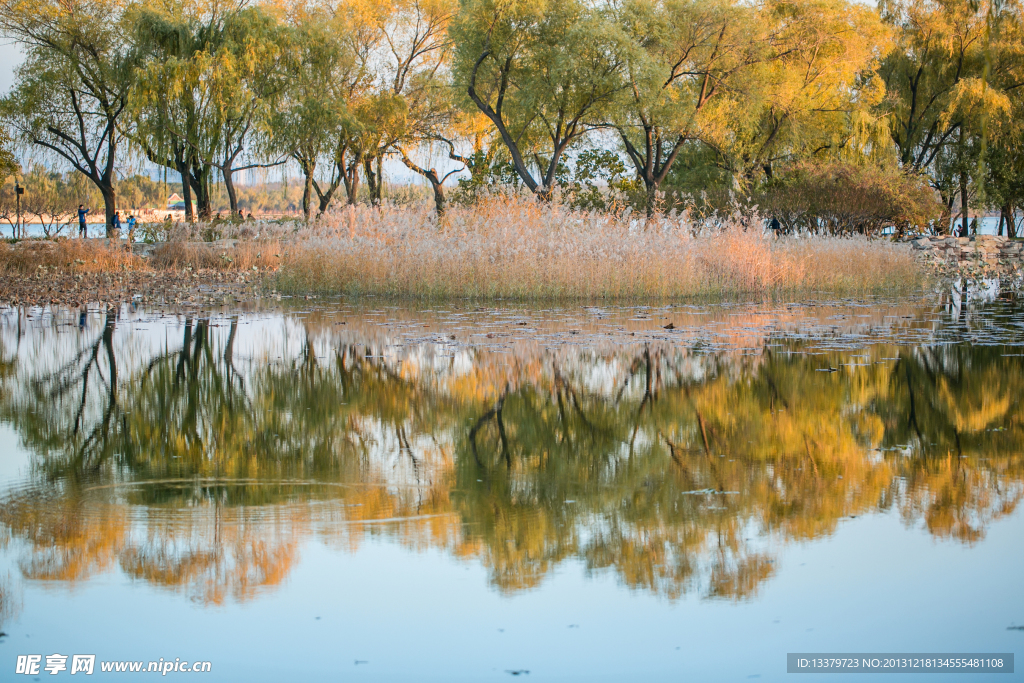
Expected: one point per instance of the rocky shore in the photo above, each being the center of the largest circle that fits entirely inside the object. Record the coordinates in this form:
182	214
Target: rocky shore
979	256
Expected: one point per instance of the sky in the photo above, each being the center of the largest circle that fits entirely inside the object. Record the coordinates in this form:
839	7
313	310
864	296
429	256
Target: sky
10	58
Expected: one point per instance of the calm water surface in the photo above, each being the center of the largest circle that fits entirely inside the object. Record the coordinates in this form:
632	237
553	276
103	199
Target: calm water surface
372	492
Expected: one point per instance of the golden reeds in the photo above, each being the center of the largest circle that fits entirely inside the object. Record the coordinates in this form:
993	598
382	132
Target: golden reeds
523	249
243	255
84	256
513	248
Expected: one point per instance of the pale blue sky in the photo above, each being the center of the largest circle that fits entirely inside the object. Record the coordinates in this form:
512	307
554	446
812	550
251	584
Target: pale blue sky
10	57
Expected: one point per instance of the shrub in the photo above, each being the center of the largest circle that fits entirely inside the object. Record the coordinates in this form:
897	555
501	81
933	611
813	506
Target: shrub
837	198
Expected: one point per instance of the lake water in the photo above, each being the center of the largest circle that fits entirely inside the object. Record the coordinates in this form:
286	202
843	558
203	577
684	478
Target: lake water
987	225
465	493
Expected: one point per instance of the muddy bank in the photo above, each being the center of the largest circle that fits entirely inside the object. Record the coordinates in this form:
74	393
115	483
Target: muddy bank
76	272
200	288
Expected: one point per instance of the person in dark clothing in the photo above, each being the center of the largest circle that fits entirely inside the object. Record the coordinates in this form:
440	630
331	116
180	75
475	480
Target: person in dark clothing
82	211
775	226
115	224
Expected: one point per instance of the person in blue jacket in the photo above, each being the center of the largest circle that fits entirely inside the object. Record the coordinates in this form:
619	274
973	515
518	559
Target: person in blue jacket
115	224
82	211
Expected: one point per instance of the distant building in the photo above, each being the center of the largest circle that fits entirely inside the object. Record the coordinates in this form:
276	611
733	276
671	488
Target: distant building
176	203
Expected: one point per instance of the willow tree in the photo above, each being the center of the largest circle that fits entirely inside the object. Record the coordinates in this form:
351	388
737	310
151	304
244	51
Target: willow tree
250	81
680	56
155	114
381	121
544	74
70	94
433	121
980	111
1004	169
953	67
172	116
308	120
357	27
812	97
415	63
207	79
8	162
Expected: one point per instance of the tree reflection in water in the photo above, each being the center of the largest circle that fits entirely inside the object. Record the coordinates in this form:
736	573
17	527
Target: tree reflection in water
202	461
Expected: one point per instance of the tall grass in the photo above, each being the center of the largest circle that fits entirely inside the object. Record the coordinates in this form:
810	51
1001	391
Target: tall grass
513	248
80	256
522	249
259	255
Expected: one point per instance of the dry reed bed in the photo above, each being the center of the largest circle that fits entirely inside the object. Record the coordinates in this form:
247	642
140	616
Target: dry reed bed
80	256
256	255
501	248
521	249
77	272
97	256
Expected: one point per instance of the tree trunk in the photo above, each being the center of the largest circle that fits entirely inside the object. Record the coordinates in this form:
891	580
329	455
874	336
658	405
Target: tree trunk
200	179
1011	220
497	119
307	195
325	196
652	163
438	198
229	186
380	179
350	175
652	196
436	183
963	204
308	167
205	201
109	205
186	191
373	179
946	219
325	201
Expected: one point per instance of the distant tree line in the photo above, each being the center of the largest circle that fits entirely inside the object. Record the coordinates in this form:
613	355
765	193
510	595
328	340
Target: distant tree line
827	114
51	197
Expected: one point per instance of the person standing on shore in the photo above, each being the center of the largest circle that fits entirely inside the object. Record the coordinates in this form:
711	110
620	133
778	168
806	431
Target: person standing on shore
82	211
131	228
115	225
